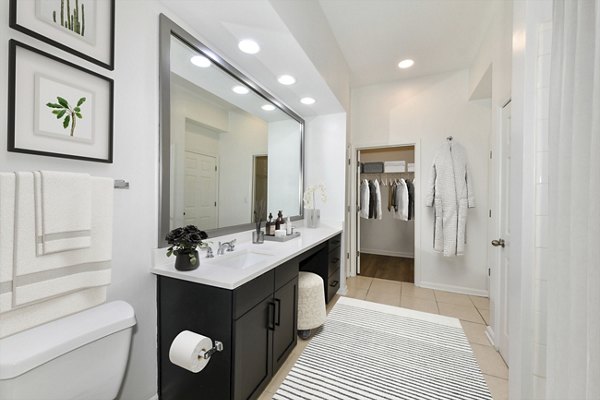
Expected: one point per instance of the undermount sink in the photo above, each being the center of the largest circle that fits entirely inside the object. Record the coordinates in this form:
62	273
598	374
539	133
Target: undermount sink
241	259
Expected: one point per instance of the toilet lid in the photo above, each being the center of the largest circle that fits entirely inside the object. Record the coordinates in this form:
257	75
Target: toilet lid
29	349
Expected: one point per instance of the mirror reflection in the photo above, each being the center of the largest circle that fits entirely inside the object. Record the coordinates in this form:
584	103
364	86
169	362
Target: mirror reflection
232	151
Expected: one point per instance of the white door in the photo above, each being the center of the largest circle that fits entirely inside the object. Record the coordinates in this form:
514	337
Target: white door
200	191
358	213
501	245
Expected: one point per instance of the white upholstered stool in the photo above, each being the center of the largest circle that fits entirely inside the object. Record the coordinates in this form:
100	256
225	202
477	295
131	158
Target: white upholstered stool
311	303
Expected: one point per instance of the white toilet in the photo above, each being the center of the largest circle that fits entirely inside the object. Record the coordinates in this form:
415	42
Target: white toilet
82	356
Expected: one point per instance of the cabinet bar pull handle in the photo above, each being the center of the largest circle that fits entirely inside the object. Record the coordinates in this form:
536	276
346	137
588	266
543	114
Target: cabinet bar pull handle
271	324
278	307
334	284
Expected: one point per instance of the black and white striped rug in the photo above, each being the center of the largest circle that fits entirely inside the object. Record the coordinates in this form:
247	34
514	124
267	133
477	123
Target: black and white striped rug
371	351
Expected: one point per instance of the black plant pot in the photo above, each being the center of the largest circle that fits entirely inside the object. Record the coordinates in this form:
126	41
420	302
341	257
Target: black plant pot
183	263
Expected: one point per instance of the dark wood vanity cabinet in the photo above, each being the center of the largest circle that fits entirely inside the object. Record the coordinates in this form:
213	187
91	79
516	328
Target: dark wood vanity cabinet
256	324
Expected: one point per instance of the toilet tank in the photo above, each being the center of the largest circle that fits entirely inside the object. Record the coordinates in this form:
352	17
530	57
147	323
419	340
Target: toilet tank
82	356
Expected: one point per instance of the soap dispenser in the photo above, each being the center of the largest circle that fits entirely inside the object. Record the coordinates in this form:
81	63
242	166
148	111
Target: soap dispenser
279	220
270	226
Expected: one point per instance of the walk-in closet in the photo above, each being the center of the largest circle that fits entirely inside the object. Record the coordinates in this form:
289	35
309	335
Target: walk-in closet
386	229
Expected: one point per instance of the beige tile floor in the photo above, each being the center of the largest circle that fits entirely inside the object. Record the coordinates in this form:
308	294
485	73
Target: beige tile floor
473	312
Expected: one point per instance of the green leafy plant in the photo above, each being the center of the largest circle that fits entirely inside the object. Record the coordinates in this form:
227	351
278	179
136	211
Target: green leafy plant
63	110
184	241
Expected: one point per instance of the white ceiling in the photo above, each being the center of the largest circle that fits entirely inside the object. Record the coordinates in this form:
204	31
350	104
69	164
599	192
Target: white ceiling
223	23
440	35
373	35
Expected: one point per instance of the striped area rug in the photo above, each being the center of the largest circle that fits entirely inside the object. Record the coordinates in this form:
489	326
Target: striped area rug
369	351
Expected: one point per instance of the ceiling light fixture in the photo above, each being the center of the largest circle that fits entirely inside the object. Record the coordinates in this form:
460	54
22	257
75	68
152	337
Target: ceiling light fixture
200	61
307	100
406	63
286	80
240	89
249	46
268	107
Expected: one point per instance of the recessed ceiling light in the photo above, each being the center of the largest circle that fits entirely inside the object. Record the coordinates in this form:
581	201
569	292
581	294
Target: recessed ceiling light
406	63
200	61
307	100
240	89
268	107
249	46
286	80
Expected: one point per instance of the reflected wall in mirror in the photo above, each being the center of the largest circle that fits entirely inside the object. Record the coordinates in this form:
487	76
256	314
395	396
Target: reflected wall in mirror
232	149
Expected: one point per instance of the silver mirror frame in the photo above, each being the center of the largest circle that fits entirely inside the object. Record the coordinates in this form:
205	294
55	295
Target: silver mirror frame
168	28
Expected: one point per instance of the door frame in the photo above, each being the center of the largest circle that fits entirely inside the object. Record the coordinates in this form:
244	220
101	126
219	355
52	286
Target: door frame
254	157
498	305
354	236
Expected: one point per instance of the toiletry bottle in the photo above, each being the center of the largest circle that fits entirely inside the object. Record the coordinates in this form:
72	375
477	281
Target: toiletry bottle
288	226
279	220
269	225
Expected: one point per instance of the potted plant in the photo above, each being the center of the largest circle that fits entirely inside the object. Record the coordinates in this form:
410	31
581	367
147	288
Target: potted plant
183	243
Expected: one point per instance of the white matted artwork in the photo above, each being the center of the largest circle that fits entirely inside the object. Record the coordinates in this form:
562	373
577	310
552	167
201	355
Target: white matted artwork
70	17
63	111
81	27
57	108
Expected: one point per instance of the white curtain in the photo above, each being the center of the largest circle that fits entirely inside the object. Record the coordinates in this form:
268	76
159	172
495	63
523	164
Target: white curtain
573	352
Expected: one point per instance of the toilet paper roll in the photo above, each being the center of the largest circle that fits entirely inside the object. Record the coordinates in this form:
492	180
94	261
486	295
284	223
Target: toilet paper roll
187	351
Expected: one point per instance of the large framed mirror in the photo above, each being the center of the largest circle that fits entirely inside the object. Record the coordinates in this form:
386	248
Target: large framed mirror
228	148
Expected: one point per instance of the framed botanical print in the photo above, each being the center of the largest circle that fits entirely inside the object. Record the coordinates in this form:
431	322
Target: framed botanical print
81	27
57	108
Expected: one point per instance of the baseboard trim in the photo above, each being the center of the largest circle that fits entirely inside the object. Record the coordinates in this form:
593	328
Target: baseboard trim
454	289
490	336
388	253
155	397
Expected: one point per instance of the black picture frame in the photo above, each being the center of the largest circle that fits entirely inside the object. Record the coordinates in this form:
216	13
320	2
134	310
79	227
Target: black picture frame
110	65
12	106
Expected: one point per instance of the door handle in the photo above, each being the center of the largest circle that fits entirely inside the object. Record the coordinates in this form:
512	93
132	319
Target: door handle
278	312
271	322
499	242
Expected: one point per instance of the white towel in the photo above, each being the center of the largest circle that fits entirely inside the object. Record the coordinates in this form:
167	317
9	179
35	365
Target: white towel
63	208
7	231
39	278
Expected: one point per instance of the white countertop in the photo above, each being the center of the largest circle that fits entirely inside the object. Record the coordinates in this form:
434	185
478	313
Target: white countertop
216	271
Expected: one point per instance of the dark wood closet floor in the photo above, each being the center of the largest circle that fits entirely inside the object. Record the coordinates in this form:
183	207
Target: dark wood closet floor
386	267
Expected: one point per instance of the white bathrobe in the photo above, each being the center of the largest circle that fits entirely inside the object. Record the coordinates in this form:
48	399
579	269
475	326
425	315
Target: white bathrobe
450	192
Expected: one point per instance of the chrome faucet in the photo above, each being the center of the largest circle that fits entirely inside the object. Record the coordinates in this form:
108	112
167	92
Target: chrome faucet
230	246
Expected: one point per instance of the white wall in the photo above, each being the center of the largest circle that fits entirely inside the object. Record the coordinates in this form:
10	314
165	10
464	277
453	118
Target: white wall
424	111
284	168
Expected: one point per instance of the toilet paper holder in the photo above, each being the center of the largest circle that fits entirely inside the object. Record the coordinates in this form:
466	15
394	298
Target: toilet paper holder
217	347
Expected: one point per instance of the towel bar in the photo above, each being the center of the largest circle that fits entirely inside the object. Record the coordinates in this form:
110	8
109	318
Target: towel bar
121	184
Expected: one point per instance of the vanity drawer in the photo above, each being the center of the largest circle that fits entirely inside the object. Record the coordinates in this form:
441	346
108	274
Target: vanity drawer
333	284
250	294
334	261
286	272
334	242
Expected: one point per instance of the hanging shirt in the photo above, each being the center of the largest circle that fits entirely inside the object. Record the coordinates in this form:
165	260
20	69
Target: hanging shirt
364	199
411	200
372	200
379	213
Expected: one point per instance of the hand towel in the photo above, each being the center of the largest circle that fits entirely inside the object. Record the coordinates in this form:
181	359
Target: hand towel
63	208
39	278
7	231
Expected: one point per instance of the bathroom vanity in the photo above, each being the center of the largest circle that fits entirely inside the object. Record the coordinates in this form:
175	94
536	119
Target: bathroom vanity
246	299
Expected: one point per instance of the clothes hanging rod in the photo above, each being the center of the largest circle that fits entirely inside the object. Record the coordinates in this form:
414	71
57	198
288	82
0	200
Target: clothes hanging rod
121	184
